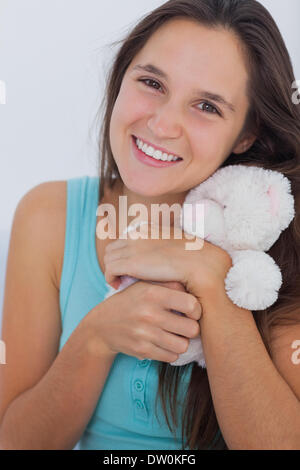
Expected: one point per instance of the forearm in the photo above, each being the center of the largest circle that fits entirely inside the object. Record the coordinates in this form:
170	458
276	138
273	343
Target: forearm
255	407
54	413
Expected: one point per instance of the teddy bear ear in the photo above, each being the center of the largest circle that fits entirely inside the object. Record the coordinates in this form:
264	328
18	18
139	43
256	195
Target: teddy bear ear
274	200
281	200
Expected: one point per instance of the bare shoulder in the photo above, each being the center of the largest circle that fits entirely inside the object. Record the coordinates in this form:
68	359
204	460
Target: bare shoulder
46	204
31	318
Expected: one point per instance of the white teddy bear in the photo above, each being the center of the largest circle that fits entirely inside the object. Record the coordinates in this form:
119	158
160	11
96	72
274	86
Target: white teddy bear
245	210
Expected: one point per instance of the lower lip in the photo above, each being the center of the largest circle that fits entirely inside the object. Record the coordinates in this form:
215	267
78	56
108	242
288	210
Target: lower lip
142	157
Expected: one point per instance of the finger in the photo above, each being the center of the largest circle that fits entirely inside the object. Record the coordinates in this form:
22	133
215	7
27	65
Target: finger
175	285
112	279
116	268
172	285
182	302
158	354
117	253
115	284
131	266
179	325
115	245
170	342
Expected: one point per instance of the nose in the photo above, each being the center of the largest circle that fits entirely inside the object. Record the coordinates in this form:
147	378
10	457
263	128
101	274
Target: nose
164	123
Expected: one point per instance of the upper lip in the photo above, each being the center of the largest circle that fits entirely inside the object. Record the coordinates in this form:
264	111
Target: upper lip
157	147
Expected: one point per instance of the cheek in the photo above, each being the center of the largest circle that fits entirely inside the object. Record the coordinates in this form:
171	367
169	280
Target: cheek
209	141
120	120
131	106
210	150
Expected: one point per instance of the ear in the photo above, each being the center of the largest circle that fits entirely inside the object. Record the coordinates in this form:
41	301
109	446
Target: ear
244	144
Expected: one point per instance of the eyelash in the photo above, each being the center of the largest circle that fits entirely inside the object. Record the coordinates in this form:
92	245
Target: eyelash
144	80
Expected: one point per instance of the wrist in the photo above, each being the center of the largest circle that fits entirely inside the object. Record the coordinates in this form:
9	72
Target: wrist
95	344
217	303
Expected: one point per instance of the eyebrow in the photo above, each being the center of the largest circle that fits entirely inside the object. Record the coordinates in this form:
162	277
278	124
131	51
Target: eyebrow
206	94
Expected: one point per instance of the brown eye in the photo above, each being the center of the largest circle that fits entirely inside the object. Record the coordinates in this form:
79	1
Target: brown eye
146	82
208	106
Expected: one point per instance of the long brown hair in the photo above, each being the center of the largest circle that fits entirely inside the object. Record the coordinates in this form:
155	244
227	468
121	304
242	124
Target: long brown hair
276	123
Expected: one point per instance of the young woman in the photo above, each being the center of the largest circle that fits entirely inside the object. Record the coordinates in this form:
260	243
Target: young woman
209	81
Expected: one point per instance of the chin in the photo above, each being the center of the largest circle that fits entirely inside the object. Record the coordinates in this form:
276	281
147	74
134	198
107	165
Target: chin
139	187
141	190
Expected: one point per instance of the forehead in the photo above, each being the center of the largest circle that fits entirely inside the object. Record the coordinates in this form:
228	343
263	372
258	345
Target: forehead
198	56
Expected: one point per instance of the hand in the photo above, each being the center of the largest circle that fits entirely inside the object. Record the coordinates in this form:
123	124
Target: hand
200	271
139	259
145	328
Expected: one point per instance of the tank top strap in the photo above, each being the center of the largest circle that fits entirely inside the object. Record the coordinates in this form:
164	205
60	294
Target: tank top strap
75	206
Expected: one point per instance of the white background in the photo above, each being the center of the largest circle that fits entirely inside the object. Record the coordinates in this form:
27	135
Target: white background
54	55
53	58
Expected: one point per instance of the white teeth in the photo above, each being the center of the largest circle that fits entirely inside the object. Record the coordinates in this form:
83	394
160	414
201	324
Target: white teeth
157	154
149	151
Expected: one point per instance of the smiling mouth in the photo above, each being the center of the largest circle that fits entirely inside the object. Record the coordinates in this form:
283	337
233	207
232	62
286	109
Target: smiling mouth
155	153
149	160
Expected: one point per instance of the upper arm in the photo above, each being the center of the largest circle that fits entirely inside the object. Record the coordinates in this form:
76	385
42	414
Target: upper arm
31	325
285	349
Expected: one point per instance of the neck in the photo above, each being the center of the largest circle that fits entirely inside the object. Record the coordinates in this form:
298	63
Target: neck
147	203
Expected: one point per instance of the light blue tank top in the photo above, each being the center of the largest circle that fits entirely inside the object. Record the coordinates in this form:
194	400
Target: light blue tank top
124	417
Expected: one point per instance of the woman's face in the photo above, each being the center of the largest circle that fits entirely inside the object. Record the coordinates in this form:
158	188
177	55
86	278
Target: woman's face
175	112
